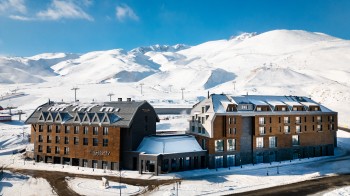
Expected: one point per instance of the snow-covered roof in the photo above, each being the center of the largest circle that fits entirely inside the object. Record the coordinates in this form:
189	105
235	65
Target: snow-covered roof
220	101
308	104
169	144
293	103
275	103
258	102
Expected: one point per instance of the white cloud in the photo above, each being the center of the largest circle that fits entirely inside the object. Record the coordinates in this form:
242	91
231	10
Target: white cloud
16	6
124	11
64	9
22	18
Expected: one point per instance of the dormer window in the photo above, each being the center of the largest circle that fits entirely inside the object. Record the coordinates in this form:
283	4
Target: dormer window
283	108
258	109
244	107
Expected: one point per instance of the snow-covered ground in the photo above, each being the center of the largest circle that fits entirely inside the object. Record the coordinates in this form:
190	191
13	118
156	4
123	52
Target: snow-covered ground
91	187
197	182
17	184
345	191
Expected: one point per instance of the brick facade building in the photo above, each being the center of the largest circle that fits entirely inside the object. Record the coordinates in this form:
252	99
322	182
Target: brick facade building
238	130
98	135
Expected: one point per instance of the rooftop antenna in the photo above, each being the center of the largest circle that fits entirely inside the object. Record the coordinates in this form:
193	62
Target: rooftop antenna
110	96
182	90
141	84
75	93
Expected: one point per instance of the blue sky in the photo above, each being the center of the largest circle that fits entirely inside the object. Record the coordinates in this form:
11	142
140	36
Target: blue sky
29	27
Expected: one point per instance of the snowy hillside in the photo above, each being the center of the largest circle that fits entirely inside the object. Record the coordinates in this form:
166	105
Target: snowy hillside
287	62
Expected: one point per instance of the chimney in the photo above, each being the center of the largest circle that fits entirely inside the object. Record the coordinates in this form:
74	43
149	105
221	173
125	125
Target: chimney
128	99
208	95
120	99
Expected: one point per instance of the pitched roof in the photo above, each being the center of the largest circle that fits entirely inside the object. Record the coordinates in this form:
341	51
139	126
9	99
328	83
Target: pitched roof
219	99
120	113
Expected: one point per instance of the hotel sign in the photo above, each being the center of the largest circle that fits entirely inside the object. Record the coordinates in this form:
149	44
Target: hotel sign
100	153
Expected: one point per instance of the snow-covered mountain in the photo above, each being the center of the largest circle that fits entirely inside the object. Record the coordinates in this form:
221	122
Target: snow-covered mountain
275	62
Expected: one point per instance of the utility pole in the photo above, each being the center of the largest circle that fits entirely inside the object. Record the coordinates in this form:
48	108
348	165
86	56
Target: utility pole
75	93
110	96
182	90
141	84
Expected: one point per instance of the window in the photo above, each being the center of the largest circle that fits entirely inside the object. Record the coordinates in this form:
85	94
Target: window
219	145
259	142
48	139
203	109
319	119
66	150
295	109
41	128
231	144
40	148
94	141
58	129
76	140
231	159
67	129
85	163
258	109
295	140
283	108
94	164
203	130
105	142
298	129
49	128
331	127
331	119
104	165
76	130
286	119
86	129
48	149
192	128
57	150
105	130
219	161
305	128
95	131
316	108
229	120
204	144
199	129
146	119
244	107
272	142
203	120
192	118
319	127
85	141
40	138
66	140
286	129
297	119
234	120
279	119
261	120
57	139
262	130
230	131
